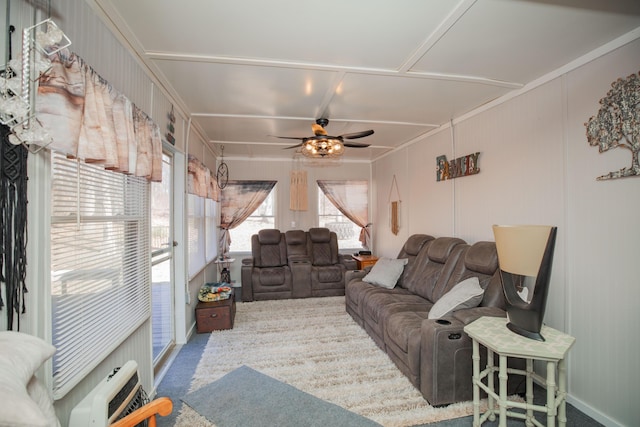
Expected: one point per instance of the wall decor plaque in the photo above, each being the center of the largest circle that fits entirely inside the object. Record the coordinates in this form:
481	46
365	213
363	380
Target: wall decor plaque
461	166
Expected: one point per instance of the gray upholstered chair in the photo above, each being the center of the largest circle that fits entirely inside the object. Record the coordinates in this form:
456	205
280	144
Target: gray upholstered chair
327	269
269	275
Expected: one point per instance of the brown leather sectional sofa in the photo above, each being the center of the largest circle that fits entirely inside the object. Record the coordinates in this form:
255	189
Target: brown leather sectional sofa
435	354
294	264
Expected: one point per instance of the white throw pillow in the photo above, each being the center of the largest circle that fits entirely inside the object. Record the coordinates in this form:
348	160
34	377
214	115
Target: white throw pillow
20	357
386	272
40	395
466	294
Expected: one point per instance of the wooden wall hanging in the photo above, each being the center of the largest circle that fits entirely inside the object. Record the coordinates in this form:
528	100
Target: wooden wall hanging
298	198
394	206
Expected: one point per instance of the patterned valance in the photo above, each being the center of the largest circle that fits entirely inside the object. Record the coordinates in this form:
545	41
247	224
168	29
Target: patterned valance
90	120
201	181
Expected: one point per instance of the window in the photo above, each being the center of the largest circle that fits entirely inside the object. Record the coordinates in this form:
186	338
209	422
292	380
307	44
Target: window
352	197
202	232
100	265
263	217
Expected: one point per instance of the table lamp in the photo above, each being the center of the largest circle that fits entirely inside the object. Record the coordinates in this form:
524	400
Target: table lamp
525	256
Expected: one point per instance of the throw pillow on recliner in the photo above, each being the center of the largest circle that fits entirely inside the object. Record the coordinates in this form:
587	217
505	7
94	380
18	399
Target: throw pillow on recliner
466	294
386	272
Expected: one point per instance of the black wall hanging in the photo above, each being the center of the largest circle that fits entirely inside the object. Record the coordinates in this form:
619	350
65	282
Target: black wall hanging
13	226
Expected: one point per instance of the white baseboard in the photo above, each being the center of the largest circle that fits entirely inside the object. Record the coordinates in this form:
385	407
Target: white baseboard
593	413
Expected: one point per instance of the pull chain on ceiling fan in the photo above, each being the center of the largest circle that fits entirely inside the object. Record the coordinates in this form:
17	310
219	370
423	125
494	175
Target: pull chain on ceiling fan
323	145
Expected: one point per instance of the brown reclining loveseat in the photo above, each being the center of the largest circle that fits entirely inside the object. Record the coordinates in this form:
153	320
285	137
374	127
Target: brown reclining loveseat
294	264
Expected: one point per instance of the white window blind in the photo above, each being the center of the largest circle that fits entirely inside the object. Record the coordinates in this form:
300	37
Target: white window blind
211	235
100	265
196	228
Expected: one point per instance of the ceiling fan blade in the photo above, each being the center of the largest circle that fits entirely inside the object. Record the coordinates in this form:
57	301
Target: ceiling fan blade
288	137
293	146
355	144
358	134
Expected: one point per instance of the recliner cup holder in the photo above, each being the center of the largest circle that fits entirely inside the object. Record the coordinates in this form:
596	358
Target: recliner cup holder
443	322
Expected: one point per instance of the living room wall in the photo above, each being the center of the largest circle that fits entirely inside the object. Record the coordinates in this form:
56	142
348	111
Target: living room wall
537	167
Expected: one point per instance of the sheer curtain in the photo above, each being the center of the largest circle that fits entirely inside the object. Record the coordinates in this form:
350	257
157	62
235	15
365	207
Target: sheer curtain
352	199
240	199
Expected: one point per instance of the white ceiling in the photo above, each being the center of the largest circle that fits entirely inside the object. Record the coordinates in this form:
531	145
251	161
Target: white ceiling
248	69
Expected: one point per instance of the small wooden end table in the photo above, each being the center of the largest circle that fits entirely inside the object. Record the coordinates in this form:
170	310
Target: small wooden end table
216	315
363	261
493	333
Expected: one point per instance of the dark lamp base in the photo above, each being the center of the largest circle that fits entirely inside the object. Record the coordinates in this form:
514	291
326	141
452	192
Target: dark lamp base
528	334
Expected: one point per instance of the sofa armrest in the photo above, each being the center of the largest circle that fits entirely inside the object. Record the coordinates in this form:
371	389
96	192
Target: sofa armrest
354	275
301	276
469	315
245	279
446	365
347	261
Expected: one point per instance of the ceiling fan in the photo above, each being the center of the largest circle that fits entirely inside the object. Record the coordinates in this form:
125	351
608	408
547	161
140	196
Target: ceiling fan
322	144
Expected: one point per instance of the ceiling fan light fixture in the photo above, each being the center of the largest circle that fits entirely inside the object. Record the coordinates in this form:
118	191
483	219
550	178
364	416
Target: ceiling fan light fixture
323	147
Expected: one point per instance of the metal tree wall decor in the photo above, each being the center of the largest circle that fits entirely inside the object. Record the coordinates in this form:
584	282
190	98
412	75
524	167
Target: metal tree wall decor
617	124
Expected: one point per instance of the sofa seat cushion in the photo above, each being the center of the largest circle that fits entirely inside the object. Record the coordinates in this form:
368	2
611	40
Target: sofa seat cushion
376	316
356	293
376	303
330	273
402	340
274	276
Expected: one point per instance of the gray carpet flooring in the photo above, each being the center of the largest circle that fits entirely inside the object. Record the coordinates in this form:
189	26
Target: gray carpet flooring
176	381
271	403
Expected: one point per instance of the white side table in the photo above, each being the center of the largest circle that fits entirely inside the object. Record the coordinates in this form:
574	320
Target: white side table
223	267
492	332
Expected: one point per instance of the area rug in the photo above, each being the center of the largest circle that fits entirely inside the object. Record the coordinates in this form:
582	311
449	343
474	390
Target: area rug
247	398
314	345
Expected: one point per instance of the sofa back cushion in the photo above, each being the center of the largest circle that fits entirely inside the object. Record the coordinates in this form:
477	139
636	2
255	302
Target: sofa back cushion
296	245
480	260
410	251
268	248
429	265
323	246
493	294
448	277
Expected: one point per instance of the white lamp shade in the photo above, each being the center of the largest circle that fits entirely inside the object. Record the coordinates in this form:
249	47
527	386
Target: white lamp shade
521	247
